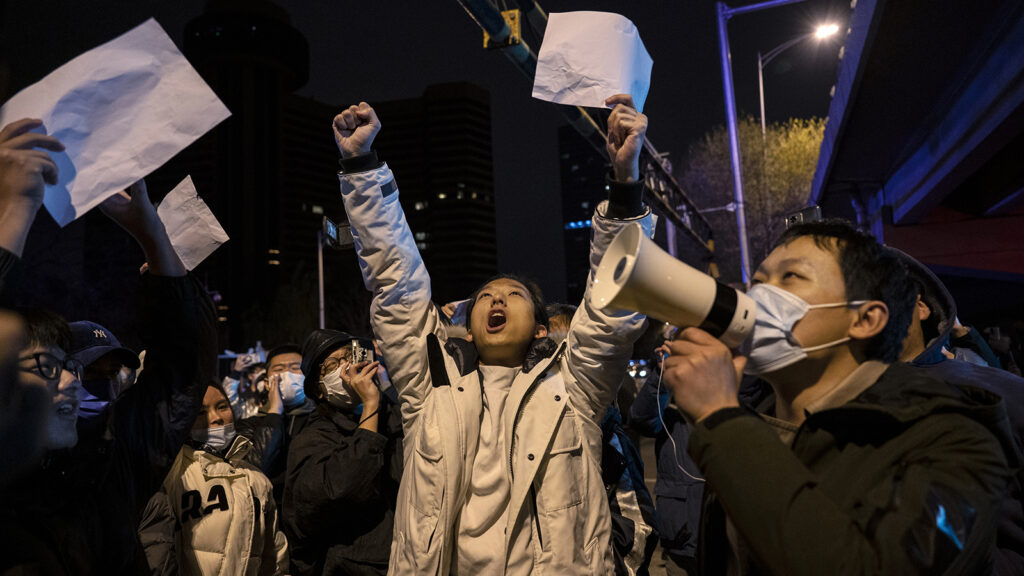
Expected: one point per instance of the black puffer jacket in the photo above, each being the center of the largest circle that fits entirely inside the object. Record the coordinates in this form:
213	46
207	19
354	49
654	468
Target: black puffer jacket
904	479
80	510
340	493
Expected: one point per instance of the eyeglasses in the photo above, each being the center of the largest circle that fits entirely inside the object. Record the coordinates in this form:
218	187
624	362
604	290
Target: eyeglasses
331	364
49	366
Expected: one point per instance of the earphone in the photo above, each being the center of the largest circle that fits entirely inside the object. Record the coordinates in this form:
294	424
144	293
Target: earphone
661	417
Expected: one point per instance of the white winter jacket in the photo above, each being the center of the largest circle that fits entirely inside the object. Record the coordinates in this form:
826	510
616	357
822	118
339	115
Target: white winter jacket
214	515
552	416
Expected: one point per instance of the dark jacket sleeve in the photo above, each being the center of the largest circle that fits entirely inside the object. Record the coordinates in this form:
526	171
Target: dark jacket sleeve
151	420
7	261
329	471
266	432
794	528
645	412
974	341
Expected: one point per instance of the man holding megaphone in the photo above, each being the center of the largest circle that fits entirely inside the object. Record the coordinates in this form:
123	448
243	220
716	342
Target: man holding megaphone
858	464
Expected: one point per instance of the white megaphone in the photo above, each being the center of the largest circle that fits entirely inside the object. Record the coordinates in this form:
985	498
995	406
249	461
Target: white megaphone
636	274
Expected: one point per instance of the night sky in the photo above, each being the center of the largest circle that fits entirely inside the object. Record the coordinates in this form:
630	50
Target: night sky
389	49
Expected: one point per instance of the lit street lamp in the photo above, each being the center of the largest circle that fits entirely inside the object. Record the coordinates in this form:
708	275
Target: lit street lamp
821	33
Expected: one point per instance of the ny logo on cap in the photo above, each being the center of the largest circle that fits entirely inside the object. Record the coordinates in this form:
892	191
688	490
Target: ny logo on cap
99	333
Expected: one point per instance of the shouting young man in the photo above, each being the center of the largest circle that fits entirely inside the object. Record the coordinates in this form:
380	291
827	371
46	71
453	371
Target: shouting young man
857	464
502	429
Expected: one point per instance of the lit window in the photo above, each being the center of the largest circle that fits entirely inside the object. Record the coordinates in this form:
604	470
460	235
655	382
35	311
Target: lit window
441	195
585	205
460	195
317	209
422	245
420	205
473	196
421	235
461	185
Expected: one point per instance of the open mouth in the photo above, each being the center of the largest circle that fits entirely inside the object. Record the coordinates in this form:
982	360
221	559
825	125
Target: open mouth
495	321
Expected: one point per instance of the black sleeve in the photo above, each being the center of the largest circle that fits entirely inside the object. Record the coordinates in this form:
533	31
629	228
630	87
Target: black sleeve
266	432
328	472
151	420
360	163
7	262
625	199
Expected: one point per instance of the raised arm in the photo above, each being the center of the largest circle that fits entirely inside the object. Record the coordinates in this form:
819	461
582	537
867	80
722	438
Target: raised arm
24	169
152	418
401	313
601	341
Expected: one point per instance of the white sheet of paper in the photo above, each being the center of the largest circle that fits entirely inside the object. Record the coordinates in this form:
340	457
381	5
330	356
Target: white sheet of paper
588	56
122	110
193	229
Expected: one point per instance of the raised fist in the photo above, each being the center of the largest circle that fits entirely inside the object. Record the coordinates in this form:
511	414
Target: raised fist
355	129
626	131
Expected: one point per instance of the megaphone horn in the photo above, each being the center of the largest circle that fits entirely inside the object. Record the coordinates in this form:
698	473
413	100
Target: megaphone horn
637	275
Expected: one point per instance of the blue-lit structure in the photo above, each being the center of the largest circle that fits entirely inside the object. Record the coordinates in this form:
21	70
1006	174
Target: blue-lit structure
925	142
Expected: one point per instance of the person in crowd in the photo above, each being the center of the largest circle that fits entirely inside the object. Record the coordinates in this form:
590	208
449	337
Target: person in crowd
24	410
78	510
246	385
108	368
25	166
215	511
284	370
345	465
857	463
679	486
933	322
502	466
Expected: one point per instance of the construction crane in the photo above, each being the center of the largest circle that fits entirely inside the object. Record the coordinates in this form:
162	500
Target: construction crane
503	32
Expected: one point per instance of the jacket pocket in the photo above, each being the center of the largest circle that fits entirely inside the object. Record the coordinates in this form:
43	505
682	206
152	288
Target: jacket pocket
428	475
558	481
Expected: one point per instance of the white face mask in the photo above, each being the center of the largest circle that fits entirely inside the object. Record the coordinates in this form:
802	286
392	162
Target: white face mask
772	345
337	392
293	391
215	439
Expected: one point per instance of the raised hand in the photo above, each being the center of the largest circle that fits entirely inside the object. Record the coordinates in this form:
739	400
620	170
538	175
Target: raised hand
275	402
23	172
702	373
355	129
132	210
360	378
626	131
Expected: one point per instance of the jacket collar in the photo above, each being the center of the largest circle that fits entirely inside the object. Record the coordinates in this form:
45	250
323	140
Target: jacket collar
467	358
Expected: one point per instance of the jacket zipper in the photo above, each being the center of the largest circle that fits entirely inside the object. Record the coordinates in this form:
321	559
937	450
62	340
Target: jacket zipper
526	400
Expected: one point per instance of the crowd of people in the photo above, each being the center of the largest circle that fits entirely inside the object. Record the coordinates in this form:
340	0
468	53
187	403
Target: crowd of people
862	429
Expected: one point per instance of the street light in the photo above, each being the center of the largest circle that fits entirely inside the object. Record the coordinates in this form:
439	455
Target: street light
724	14
822	32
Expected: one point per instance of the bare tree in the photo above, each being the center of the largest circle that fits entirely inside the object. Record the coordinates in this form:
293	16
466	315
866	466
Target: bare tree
777	174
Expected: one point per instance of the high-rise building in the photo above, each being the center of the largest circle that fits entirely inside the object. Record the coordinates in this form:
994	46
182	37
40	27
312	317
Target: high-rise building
439	146
583	172
269	174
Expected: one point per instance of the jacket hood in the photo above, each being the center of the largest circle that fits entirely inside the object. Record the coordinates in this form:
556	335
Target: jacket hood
939	301
905	394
